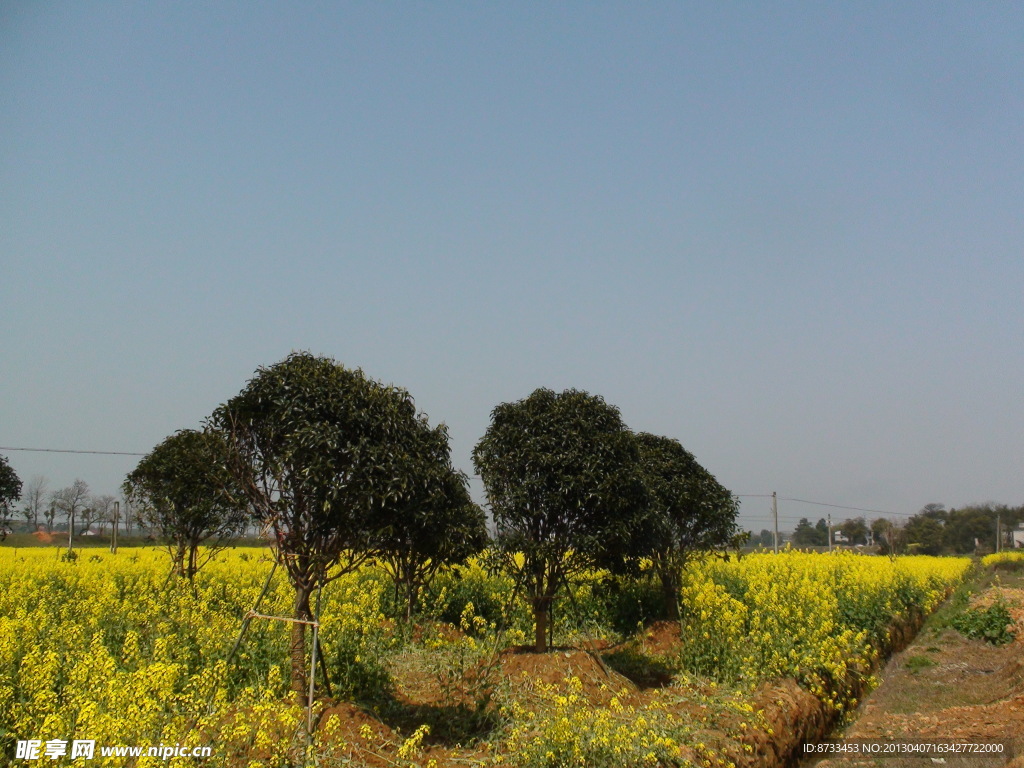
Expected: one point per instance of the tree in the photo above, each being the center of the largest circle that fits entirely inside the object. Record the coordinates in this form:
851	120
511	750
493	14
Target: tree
314	446
807	535
560	473
437	524
975	524
923	534
762	539
10	490
889	536
822	533
935	511
88	514
34	501
184	490
72	500
103	507
855	531
50	513
687	511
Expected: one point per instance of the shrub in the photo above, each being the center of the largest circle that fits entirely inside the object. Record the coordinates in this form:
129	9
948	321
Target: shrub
991	624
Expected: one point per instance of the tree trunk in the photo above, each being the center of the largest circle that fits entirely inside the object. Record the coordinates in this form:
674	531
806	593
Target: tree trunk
298	644
670	594
410	602
541	607
179	561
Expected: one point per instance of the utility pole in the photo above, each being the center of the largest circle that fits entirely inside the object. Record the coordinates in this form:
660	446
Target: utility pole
830	532
999	532
117	516
71	530
775	515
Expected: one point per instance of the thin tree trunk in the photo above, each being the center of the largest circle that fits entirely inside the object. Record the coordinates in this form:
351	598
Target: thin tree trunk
298	643
670	594
179	561
541	607
410	600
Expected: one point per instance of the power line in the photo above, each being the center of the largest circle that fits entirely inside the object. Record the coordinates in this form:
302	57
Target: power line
737	495
841	506
68	450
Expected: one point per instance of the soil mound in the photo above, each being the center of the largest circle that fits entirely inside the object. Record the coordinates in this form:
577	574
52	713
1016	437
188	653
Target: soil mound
362	734
524	668
663	638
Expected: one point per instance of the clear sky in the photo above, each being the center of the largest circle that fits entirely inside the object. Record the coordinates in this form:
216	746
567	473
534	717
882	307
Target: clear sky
790	235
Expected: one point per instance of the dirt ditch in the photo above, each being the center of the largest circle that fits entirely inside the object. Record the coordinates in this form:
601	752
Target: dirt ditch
944	687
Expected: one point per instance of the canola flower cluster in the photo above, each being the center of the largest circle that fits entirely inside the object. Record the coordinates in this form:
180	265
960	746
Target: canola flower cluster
109	648
1003	558
820	618
564	729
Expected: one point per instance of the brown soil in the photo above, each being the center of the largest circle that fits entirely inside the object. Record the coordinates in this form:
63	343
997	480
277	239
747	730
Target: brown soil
523	669
365	738
662	638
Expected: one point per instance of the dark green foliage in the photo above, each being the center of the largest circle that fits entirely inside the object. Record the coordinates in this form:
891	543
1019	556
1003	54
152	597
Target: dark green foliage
355	673
977	523
489	596
807	535
321	452
10	489
436	525
560	475
313	446
991	624
184	490
923	534
854	531
686	510
765	539
936	530
629	603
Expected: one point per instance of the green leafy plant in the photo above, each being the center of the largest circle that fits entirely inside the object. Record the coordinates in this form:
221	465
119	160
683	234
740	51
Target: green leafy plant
991	624
916	663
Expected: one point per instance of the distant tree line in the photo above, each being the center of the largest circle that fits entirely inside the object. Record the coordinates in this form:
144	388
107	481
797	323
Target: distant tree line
934	530
79	508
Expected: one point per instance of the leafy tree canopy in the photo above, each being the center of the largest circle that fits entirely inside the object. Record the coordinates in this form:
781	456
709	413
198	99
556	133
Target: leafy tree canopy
855	531
560	474
687	511
10	488
437	524
317	450
185	491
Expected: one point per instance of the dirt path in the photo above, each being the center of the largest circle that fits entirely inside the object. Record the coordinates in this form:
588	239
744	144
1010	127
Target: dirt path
944	687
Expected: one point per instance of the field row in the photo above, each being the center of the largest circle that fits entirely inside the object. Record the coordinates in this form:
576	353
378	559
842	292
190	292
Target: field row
109	648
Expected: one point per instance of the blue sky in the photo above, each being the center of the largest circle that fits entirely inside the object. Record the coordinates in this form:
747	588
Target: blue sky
789	235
